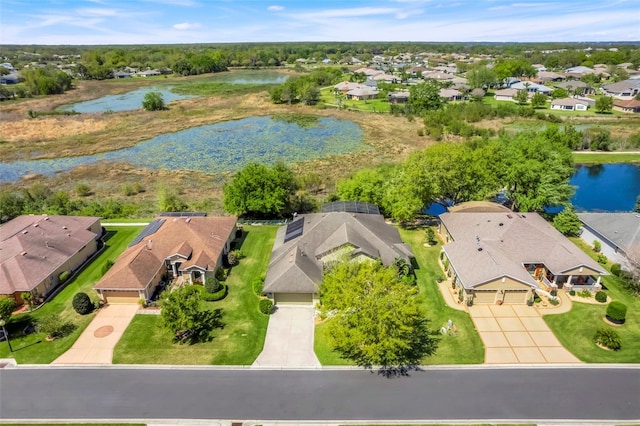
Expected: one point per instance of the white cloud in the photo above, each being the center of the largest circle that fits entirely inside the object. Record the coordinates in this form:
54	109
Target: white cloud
186	26
275	8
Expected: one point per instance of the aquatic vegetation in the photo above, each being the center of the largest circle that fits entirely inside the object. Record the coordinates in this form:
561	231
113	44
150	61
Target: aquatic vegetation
217	148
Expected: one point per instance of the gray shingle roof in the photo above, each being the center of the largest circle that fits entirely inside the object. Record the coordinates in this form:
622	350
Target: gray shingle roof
622	229
295	265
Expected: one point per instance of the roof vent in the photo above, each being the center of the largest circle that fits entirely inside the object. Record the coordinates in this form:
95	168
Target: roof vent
25	232
64	227
35	225
46	218
24	253
501	224
479	248
509	216
187	220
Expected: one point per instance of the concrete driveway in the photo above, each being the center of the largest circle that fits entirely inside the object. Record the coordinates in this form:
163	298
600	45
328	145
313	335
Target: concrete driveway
95	344
289	340
517	334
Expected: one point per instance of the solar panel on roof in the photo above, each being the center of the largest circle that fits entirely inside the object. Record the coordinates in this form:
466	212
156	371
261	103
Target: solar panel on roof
294	229
150	229
351	207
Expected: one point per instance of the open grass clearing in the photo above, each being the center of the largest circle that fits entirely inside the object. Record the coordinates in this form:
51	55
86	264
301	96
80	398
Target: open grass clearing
238	343
33	348
463	348
605	157
576	328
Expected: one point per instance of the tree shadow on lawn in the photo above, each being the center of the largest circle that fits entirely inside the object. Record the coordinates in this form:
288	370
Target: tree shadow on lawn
207	321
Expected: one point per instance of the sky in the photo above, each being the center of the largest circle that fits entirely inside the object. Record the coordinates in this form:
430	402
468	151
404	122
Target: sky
223	21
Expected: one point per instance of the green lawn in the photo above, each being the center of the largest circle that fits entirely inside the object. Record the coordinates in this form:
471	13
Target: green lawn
602	158
575	329
465	348
238	343
327	97
34	349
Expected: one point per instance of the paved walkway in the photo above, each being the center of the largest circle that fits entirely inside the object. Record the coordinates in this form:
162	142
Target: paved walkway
95	344
289	340
517	334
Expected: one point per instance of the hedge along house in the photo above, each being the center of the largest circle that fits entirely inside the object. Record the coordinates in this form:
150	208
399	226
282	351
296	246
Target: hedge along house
352	230
187	249
503	257
36	250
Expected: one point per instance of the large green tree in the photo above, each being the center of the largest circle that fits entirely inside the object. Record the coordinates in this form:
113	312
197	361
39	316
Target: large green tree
425	97
153	101
183	315
7	305
260	191
568	222
604	104
376	320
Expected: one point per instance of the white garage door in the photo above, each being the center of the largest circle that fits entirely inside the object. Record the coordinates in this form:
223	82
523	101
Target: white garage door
294	298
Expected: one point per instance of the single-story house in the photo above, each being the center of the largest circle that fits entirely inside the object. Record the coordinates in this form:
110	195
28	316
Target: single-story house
148	73
187	249
574	86
121	74
369	72
505	95
550	76
9	79
503	257
438	75
450	95
398	97
631	106
387	78
36	250
569	104
579	71
362	93
623	90
617	233
531	87
352	230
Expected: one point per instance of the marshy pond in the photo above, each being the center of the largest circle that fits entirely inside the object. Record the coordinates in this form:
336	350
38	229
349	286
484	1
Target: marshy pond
218	148
128	101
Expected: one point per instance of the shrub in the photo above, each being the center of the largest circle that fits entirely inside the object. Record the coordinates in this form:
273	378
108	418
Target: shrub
616	268
554	292
257	285
239	233
537	299
607	338
107	266
431	236
27	297
213	297
54	328
265	306
82	303
212	285
63	277
597	246
617	312
572	292
602	259
585	294
460	295
83	190
601	296
554	302
221	274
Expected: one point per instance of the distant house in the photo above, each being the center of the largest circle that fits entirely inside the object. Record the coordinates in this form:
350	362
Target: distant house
121	74
9	79
623	90
574	86
398	97
344	230
579	71
502	257
362	93
7	65
35	250
550	76
387	78
505	95
617	233
188	249
569	104
438	75
531	87
369	72
148	73
450	95
631	106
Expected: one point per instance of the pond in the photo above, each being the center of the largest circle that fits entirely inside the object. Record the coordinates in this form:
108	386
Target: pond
606	187
217	148
128	101
251	77
599	188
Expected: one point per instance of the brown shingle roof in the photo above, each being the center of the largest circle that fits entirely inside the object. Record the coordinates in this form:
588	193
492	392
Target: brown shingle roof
508	240
203	238
34	247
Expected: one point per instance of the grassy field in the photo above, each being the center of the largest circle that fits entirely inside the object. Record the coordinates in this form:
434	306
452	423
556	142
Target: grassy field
241	340
605	157
465	348
328	98
34	349
576	328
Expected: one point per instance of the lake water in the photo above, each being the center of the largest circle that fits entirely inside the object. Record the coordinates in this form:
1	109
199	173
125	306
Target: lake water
251	77
599	188
125	102
606	187
216	148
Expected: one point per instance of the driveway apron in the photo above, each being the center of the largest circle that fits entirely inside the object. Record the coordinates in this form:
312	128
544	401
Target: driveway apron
95	344
289	340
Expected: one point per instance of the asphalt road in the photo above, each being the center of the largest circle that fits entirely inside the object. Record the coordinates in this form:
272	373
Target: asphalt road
439	394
